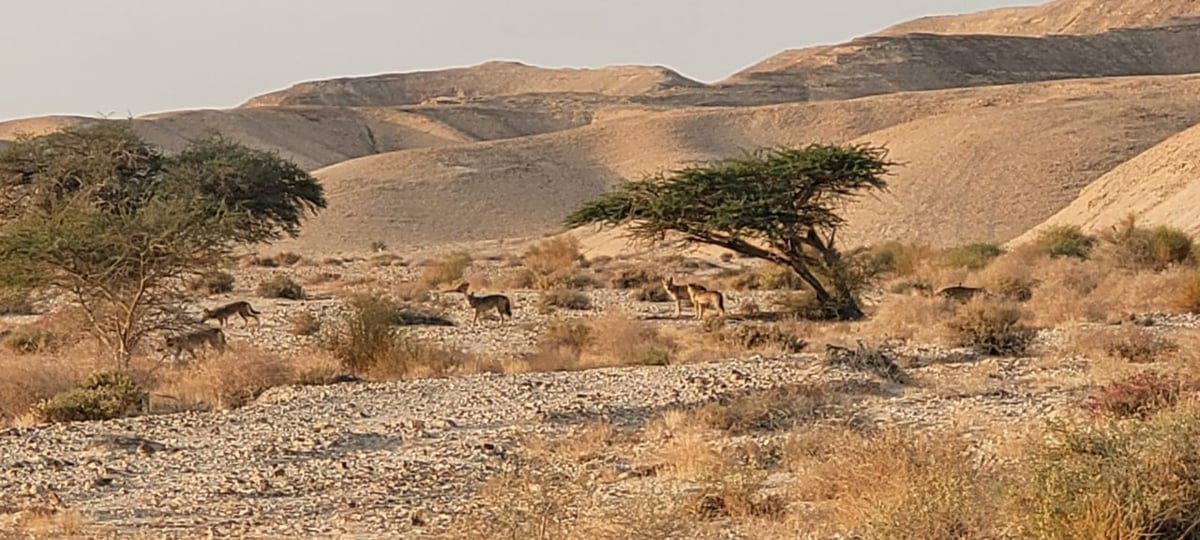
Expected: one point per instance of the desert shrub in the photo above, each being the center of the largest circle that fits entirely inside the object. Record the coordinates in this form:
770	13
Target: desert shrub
369	341
448	269
572	334
1115	480
877	359
104	395
1065	241
377	246
899	258
287	258
1188	299
29	339
620	340
1138	395
759	336
652	292
552	260
227	381
304	323
635	278
1012	288
15	301
971	256
212	283
801	304
281	286
1133	247
1136	345
769	277
773	409
992	329
566	299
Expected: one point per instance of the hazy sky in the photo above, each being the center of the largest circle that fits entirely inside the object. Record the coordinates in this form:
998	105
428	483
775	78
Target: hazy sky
125	57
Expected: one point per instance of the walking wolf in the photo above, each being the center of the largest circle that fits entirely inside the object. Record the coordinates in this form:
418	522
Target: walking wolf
480	304
193	340
226	311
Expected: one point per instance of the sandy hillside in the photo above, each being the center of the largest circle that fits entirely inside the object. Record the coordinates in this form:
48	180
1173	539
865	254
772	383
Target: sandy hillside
1057	17
957	146
1161	186
488	80
878	65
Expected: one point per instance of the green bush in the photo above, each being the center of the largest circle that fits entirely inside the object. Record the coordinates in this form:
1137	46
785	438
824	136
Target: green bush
1065	241
1136	247
368	340
281	286
105	395
974	256
992	329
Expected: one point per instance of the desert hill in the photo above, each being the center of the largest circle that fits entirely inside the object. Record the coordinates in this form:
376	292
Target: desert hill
1159	186
491	79
997	133
878	65
1039	144
1057	17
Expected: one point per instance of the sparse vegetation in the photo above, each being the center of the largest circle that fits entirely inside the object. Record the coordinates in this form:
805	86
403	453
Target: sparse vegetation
974	256
446	270
218	282
992	328
760	336
1188	300
304	323
105	395
1132	247
552	261
1065	241
281	286
566	299
784	197
369	341
1139	395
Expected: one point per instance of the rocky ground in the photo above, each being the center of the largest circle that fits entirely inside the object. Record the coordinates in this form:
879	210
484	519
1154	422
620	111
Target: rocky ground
404	459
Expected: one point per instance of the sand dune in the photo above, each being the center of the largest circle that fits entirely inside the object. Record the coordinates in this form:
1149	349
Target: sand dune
1058	17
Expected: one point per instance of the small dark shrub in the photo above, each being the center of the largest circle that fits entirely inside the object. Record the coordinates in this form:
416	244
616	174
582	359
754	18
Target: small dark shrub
378	246
879	360
571	334
281	286
774	409
212	283
15	302
1135	247
1137	345
29	339
971	256
1013	289
1065	241
758	336
992	329
304	323
1137	395
566	299
105	395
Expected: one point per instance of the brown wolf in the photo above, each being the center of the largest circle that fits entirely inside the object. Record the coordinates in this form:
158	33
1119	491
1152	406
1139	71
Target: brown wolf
480	304
194	340
961	294
702	298
226	311
679	292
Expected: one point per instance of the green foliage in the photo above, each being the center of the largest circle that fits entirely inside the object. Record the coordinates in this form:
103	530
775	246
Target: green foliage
281	286
971	256
99	214
105	395
994	329
777	204
369	340
1065	241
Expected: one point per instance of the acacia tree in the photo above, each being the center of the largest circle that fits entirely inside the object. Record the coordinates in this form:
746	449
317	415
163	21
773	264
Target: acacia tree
118	226
776	204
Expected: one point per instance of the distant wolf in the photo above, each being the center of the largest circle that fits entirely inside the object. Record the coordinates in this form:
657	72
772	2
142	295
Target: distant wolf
194	340
961	294
702	298
226	311
480	304
678	292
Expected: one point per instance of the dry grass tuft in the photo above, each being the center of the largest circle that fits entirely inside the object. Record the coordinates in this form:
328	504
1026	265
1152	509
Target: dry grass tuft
446	270
304	323
281	286
222	381
773	409
552	261
992	328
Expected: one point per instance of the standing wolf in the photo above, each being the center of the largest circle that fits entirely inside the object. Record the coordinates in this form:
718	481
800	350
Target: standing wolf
226	311
193	340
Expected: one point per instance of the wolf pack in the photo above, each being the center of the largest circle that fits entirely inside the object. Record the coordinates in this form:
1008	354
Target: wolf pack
701	298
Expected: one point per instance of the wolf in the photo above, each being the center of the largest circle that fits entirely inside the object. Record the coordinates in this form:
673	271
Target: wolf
193	340
226	311
961	294
678	292
480	304
702	298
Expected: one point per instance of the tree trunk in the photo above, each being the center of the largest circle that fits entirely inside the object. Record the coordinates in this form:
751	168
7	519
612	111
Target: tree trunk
840	306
